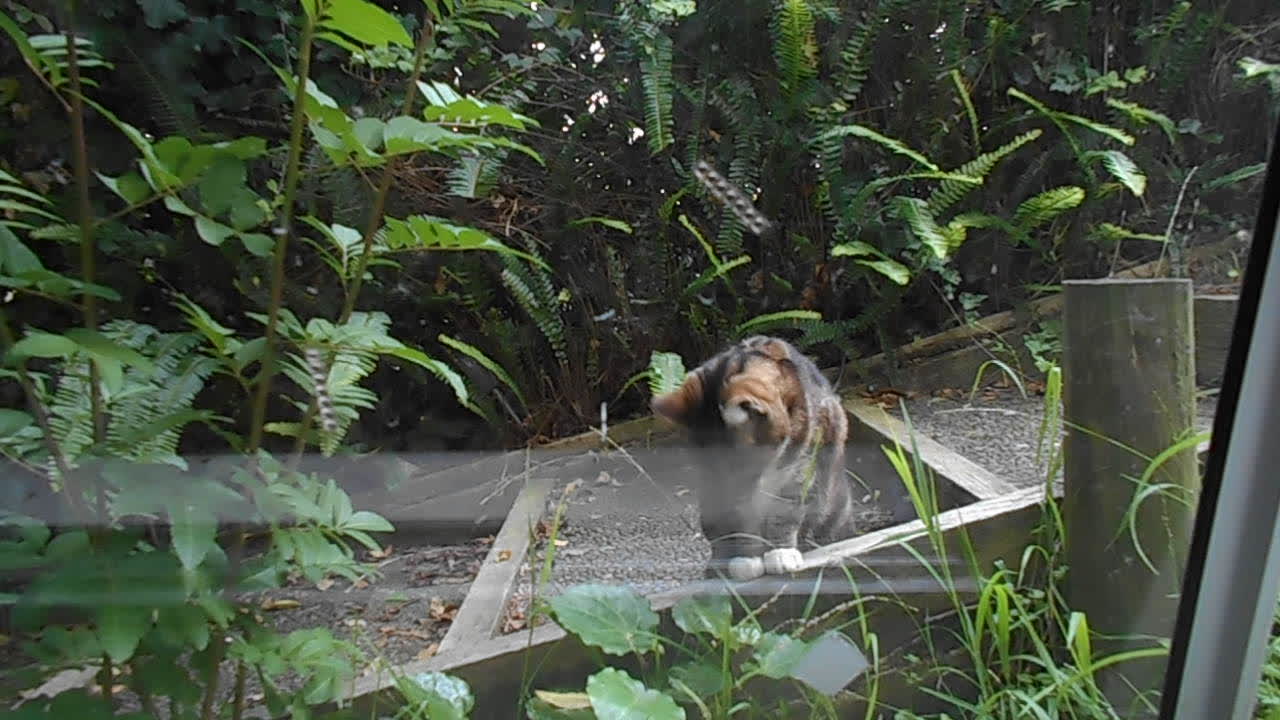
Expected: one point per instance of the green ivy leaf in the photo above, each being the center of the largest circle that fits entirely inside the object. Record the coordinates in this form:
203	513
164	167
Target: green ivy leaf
366	23
613	619
615	695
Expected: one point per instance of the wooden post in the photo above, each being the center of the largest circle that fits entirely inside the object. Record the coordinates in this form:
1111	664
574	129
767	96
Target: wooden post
1129	387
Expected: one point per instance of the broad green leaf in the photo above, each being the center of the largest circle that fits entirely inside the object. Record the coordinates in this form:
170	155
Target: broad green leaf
220	185
42	345
704	614
615	695
441	696
1253	67
120	627
889	143
212	231
703	678
15	257
193	533
11	421
366	23
130	187
778	654
257	243
104	348
613	619
1142	115
184	625
367	522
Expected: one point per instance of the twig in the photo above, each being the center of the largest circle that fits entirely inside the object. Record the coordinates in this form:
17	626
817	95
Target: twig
1173	216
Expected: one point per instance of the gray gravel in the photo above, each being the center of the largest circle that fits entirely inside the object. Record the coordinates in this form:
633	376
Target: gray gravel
1000	430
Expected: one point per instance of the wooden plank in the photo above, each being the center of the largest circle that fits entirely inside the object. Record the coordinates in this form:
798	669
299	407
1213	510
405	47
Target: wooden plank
1128	394
481	611
1215	319
878	562
947	463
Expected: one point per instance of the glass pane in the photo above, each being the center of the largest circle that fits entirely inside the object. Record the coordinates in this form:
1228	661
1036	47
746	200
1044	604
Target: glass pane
559	359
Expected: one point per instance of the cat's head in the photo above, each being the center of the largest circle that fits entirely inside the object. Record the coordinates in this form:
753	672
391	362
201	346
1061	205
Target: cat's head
746	395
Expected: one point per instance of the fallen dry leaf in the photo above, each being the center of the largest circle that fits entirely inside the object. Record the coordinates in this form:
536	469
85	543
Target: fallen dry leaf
324	584
442	611
429	651
564	700
504	555
280	604
382	554
561	542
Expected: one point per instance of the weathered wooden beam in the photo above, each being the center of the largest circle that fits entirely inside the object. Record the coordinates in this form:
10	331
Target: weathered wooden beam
1128	395
964	473
1215	319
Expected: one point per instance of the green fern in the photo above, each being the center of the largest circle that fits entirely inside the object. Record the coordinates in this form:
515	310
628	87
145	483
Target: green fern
855	57
146	409
1122	168
795	44
949	192
658	86
1043	208
474	175
532	290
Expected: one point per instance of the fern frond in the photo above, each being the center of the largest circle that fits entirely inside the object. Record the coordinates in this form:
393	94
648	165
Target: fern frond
891	144
475	175
795	44
950	192
1040	209
543	313
658	86
1122	168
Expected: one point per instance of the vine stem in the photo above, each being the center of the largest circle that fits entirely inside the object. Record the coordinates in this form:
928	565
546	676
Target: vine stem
75	499
283	232
84	211
373	223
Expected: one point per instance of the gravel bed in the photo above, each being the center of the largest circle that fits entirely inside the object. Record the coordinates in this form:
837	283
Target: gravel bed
1000	429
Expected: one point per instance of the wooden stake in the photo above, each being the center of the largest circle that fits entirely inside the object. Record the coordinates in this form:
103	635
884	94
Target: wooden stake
1128	396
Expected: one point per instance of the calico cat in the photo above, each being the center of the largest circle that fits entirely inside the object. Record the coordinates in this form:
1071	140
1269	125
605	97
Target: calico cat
771	433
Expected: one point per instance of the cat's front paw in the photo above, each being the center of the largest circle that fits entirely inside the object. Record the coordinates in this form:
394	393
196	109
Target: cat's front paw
745	568
782	561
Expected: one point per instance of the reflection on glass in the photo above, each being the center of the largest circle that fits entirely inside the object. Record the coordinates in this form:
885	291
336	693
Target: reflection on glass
662	359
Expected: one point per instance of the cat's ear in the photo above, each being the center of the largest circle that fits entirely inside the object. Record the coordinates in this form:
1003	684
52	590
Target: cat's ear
777	350
680	403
